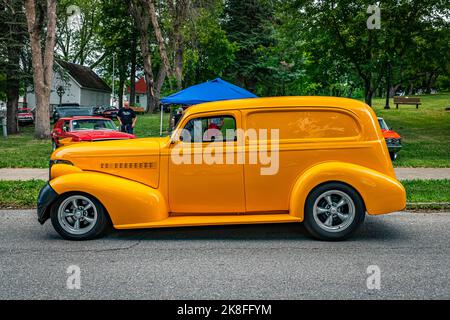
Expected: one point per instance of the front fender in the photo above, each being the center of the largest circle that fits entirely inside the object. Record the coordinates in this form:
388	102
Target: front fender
127	201
380	193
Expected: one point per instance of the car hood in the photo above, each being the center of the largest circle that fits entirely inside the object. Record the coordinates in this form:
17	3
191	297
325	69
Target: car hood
389	134
134	159
91	135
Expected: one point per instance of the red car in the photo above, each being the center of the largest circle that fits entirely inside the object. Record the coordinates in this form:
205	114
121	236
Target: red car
24	116
392	138
85	128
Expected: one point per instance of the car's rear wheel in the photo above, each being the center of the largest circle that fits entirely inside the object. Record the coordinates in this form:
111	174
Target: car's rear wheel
333	211
78	216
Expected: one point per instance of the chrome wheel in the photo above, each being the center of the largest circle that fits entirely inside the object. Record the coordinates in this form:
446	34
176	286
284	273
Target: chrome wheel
77	215
334	211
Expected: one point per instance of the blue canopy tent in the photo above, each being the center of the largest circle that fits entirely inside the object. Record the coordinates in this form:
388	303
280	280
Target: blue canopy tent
214	90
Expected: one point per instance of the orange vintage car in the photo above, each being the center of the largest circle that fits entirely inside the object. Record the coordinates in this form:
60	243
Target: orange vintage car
317	160
392	138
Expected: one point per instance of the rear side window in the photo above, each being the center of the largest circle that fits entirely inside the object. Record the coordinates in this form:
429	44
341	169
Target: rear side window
308	124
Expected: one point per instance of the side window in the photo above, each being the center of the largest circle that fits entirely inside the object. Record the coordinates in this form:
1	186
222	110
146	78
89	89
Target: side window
209	129
305	124
66	126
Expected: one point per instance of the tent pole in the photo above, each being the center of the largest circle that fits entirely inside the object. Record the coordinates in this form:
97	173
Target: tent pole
161	120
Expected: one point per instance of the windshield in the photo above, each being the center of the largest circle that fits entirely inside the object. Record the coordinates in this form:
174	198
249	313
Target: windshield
383	124
24	111
92	124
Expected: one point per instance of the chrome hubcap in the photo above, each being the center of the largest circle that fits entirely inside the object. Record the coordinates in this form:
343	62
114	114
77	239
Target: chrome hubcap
334	211
77	214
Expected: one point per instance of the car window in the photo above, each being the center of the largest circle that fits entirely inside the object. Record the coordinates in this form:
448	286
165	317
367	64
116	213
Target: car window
92	124
66	126
383	124
209	129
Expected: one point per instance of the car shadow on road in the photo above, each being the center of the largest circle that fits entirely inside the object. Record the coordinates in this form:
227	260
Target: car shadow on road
372	230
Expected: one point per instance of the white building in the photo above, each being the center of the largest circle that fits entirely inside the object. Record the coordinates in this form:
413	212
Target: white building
140	93
80	85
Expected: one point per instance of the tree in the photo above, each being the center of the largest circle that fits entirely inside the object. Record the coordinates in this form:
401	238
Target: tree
179	13
208	51
42	59
77	36
248	25
12	43
142	21
334	34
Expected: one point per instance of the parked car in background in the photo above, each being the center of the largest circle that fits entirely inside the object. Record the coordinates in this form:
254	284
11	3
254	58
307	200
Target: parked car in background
25	116
110	112
392	138
71	130
71	111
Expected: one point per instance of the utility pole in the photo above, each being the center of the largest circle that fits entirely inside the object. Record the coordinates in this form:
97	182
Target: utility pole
113	66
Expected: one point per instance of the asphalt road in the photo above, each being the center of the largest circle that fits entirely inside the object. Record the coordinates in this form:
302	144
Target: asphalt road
411	251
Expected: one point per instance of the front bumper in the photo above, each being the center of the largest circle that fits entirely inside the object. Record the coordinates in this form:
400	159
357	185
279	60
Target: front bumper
25	120
45	199
394	148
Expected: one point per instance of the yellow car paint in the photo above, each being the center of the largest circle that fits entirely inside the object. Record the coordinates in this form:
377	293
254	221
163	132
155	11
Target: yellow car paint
322	139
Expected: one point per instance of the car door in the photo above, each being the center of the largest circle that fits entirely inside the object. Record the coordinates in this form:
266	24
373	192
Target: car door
198	181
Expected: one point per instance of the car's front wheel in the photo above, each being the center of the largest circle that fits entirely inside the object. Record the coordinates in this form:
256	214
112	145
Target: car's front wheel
333	211
78	216
393	155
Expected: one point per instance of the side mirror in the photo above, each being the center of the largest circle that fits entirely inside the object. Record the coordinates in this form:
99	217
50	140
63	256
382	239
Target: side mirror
58	131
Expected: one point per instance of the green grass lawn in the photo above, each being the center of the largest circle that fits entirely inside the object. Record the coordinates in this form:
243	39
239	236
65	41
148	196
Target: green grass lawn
425	135
421	194
425	131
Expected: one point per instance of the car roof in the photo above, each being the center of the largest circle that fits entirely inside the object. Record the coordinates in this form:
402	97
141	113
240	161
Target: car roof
84	117
282	102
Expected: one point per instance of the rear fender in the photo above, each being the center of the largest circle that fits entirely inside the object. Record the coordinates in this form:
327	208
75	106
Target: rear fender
380	193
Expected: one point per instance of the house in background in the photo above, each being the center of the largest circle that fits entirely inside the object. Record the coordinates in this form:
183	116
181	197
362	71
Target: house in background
141	93
77	84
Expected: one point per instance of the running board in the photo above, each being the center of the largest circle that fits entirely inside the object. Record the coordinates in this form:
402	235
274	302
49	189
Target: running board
184	221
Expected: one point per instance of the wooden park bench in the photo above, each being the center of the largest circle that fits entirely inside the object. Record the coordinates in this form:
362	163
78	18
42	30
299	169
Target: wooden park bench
406	100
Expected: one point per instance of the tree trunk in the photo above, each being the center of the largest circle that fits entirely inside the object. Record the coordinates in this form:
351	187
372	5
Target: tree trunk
394	90
12	102
162	48
180	16
368	92
42	63
159	83
411	89
429	83
12	90
142	23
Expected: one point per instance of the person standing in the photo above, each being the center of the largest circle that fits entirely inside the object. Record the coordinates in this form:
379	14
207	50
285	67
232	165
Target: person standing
127	119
